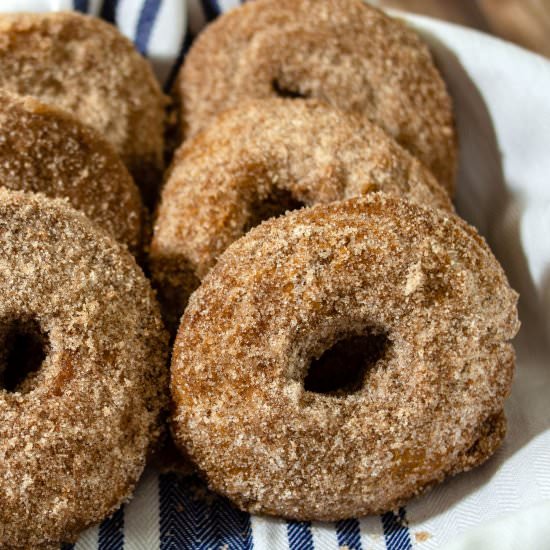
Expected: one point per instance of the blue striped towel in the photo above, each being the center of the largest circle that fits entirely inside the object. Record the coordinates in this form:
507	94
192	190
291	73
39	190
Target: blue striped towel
172	513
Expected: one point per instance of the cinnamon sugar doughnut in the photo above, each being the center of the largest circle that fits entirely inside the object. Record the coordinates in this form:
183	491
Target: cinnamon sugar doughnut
258	160
43	149
86	67
82	371
344	52
366	356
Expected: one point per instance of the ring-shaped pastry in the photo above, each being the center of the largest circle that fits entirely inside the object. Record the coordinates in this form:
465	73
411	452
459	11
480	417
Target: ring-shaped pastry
83	377
85	66
257	161
46	150
344	52
340	359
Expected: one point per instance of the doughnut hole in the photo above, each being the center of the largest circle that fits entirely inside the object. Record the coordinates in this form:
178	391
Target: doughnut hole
24	346
343	368
288	92
274	205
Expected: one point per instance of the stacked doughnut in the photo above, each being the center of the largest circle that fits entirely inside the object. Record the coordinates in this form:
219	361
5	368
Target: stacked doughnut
345	337
83	350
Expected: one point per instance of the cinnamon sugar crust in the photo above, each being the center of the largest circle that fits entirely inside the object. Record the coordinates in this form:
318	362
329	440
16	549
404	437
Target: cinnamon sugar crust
296	286
86	67
259	160
344	52
45	150
75	432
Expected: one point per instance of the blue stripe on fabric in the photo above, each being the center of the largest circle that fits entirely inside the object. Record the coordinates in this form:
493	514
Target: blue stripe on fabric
299	535
234	529
169	498
111	532
108	10
195	519
348	533
81	5
180	524
146	20
187	41
211	9
396	532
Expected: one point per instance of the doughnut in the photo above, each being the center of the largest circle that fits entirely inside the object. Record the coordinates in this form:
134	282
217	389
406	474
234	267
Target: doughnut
344	52
366	356
86	67
287	154
43	149
83	377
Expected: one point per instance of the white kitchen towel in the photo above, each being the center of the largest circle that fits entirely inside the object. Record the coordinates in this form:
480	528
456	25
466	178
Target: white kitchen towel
502	101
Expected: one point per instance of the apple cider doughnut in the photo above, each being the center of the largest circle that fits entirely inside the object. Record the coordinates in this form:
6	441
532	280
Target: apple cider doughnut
344	52
85	66
46	150
83	378
340	359
257	161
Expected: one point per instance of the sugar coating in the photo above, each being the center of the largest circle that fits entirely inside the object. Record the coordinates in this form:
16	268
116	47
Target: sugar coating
86	67
344	52
223	177
74	436
44	149
286	292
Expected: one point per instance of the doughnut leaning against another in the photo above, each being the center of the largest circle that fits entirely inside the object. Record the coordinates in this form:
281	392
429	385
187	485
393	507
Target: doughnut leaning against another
366	356
344	52
85	66
83	375
46	150
257	161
